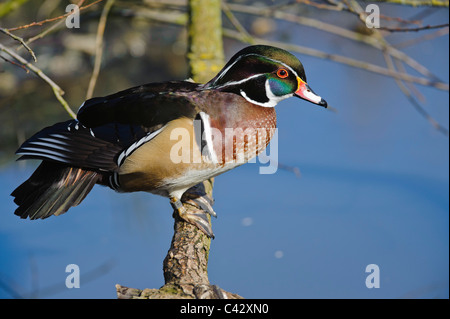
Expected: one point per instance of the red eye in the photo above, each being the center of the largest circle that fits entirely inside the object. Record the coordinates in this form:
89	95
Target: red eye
282	73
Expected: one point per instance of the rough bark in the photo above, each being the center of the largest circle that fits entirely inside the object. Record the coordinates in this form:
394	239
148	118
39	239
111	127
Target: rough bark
186	264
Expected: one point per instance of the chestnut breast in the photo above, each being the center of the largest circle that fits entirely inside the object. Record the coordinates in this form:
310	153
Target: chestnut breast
241	130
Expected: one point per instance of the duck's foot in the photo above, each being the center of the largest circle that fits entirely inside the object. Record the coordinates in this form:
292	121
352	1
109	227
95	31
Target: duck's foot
200	201
196	217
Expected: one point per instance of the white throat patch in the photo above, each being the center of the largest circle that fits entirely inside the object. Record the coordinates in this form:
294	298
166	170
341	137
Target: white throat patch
273	99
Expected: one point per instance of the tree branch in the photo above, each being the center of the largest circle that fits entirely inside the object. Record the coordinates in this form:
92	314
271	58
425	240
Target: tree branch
57	91
99	48
21	41
186	264
376	42
427	27
180	18
39	23
417	3
344	60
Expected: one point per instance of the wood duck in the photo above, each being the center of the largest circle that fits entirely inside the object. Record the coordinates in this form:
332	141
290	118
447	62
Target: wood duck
132	140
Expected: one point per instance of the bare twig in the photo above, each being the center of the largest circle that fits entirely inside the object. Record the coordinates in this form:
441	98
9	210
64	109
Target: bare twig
344	60
400	20
423	38
332	7
413	101
292	169
409	89
239	27
180	18
14	63
10	290
417	3
400	67
89	276
57	91
45	32
53	19
427	27
356	7
22	42
376	42
54	26
99	48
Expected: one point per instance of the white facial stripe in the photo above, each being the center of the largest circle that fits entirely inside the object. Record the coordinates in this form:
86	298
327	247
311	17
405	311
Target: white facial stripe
240	81
284	64
273	99
226	70
267	104
127	152
250	54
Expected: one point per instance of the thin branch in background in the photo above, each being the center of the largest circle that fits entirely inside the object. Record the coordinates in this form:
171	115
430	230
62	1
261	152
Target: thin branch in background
57	91
342	59
376	42
427	27
384	46
399	65
408	89
14	63
413	101
87	277
99	48
51	290
400	20
356	7
332	7
22	42
40	23
54	27
34	274
423	38
380	43
417	3
292	169
10	290
239	27
180	18
46	31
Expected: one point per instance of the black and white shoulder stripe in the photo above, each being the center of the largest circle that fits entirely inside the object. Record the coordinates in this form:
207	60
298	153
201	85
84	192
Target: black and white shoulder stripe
130	149
204	136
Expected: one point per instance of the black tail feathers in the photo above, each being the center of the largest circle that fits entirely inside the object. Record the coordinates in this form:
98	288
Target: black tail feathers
53	189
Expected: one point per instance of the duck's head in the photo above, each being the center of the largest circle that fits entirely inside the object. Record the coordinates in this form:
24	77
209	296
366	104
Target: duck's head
265	75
